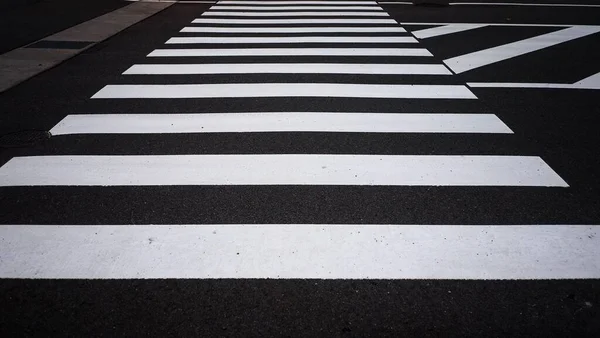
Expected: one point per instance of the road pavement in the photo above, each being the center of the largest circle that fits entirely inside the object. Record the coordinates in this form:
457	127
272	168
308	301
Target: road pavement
350	169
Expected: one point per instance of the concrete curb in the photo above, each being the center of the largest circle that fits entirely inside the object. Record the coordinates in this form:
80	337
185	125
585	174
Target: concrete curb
26	62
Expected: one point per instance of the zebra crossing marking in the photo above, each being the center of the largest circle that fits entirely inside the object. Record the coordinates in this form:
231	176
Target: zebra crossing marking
300	251
231	90
289	68
299	14
279	122
274	30
292	39
253	21
280	169
290	52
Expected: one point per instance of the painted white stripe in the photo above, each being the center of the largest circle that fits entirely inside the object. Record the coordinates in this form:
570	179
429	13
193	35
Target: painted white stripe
252	21
294	39
279	14
301	2
577	85
592	82
520	4
292	8
515	4
488	56
279	122
285	90
288	68
445	30
355	170
389	29
493	24
300	251
291	51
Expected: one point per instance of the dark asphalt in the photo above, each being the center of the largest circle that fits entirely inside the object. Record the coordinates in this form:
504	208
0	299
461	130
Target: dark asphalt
558	125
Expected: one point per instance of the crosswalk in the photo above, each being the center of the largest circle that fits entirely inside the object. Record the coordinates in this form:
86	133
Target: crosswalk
224	43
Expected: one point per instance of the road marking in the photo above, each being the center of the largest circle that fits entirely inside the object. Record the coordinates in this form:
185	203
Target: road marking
229	90
389	29
279	122
491	24
519	4
444	30
300	8
488	56
313	13
288	68
302	2
291	51
252	21
592	82
293	39
319	251
496	4
354	170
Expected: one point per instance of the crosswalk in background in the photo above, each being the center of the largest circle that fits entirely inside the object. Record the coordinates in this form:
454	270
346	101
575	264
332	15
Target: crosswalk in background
293	68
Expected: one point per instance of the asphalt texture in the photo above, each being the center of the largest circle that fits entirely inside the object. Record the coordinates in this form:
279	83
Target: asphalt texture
557	125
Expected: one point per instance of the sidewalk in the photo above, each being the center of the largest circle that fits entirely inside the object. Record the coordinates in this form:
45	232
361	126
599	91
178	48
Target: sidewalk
26	21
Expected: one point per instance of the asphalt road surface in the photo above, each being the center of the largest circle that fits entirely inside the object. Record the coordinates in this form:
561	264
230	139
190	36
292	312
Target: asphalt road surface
324	168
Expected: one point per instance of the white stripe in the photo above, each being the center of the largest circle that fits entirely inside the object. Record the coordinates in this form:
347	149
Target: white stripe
577	85
301	8
279	14
519	4
493	24
301	2
592	82
389	29
289	68
291	51
356	170
285	90
485	57
252	21
294	39
300	251
444	30
279	122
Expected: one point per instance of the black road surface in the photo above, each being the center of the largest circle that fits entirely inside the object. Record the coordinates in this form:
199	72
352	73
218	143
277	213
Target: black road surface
558	125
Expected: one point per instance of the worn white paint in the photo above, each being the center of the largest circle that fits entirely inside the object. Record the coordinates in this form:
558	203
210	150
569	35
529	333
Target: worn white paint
307	13
388	29
288	169
289	68
293	39
279	122
445	30
488	56
300	251
296	8
290	52
285	90
253	21
592	82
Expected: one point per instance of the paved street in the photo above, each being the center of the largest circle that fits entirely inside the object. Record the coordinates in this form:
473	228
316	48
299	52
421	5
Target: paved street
328	168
